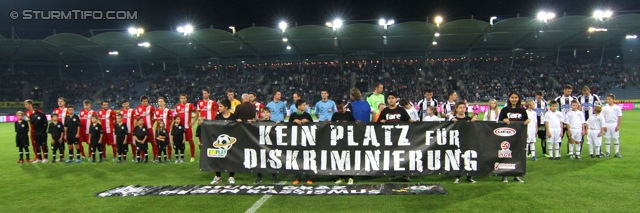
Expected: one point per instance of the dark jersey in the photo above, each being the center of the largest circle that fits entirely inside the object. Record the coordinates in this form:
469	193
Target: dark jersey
394	115
220	117
56	130
178	131
39	122
22	127
163	133
140	132
465	118
304	115
121	130
342	117
72	123
95	131
513	114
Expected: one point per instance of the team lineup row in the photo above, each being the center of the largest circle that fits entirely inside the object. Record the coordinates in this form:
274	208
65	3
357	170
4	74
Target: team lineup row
578	115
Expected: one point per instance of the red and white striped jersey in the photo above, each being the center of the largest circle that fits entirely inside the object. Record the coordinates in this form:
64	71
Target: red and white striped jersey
259	108
164	115
146	113
128	118
184	112
62	113
208	109
108	119
28	113
85	120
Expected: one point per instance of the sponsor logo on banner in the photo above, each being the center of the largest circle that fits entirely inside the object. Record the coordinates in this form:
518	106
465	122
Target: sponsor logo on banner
504	166
505	152
504	132
222	145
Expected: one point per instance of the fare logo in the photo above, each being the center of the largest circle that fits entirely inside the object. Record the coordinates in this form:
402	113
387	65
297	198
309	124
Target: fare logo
504	132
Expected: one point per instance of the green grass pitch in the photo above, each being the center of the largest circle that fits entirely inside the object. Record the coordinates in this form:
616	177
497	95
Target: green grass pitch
591	185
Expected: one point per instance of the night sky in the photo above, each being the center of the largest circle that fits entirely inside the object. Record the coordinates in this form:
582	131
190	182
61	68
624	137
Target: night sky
164	14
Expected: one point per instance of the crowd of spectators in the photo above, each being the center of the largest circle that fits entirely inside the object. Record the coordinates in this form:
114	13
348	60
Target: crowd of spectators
477	80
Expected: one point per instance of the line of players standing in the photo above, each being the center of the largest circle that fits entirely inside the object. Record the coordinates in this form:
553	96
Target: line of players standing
128	127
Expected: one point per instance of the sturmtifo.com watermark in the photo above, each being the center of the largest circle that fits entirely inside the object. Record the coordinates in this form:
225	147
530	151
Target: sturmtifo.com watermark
74	15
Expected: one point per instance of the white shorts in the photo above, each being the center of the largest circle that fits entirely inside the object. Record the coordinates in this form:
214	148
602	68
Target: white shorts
577	134
592	137
555	135
611	131
531	135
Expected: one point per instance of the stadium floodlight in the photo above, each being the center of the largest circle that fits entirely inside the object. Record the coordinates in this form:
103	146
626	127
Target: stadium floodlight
437	34
631	36
288	47
185	30
233	29
336	24
282	26
593	29
492	18
438	20
601	15
385	23
113	53
434	43
144	44
135	31
285	39
546	16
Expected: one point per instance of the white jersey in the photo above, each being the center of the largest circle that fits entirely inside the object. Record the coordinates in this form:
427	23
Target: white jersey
431	118
596	122
554	119
611	113
413	113
575	119
533	119
588	103
491	115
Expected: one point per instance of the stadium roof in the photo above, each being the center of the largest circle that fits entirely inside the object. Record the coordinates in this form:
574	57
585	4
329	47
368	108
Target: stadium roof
455	37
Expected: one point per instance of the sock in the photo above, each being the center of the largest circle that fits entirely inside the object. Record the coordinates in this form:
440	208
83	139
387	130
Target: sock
138	156
70	154
571	147
543	144
591	147
192	148
597	150
608	145
169	151
146	157
104	147
533	149
114	151
527	148
616	144
557	147
21	155
26	151
55	151
578	149
550	148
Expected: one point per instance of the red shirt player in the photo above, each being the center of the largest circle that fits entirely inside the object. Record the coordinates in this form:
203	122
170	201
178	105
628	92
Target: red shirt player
146	111
165	115
184	110
107	119
259	106
208	108
85	124
28	104
61	111
128	118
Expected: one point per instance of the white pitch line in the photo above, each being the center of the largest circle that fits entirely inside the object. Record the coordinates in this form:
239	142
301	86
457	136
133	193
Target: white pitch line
262	200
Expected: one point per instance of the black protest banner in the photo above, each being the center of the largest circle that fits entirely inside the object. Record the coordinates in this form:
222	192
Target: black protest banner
425	148
366	189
